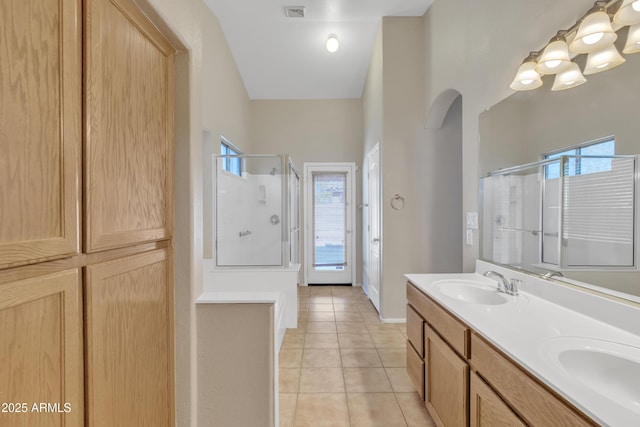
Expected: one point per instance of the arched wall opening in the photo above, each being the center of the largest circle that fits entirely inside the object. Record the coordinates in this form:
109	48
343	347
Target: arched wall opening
442	181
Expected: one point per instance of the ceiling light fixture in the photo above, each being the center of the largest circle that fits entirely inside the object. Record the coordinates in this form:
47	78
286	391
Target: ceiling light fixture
595	31
603	60
572	77
527	78
633	40
592	34
628	14
555	57
332	43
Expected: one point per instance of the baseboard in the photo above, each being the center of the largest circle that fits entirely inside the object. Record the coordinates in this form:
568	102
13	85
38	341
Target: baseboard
393	320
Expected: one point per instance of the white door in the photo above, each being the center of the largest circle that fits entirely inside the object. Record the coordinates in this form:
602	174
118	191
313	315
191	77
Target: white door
329	223
373	164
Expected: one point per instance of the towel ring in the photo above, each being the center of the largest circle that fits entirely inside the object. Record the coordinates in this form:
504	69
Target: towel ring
397	202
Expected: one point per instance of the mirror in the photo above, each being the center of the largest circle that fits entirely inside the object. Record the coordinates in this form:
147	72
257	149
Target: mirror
526	126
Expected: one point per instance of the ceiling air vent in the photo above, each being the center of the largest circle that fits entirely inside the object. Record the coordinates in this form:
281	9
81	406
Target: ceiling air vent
294	11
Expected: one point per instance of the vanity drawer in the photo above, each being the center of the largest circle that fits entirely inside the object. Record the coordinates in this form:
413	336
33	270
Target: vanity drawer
487	408
537	405
452	330
415	331
415	368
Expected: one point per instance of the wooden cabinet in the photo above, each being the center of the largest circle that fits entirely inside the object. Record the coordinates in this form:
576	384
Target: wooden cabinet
535	403
436	346
466	381
415	369
415	331
129	322
41	351
109	189
129	127
446	378
40	130
451	329
487	409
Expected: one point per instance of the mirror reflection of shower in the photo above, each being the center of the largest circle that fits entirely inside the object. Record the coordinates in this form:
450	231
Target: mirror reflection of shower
256	211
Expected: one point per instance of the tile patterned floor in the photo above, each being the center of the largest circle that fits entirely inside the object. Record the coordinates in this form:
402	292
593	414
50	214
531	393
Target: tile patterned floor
343	367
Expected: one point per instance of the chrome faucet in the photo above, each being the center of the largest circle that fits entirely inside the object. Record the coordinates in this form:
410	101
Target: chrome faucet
503	284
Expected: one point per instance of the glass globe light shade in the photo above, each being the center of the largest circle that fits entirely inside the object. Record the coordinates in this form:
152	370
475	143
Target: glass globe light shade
603	60
628	14
572	77
594	33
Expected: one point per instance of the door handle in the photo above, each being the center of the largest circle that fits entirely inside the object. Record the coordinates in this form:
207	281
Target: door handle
375	240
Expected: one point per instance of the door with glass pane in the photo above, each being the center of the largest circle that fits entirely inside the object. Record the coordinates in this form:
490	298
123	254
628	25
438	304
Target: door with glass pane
329	223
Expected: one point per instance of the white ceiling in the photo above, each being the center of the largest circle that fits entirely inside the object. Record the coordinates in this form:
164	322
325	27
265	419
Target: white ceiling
286	58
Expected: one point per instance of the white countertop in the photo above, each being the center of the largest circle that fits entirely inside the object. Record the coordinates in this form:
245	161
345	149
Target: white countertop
239	297
528	327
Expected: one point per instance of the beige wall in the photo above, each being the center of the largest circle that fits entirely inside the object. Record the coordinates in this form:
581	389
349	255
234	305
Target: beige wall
236	353
402	130
312	131
422	165
226	111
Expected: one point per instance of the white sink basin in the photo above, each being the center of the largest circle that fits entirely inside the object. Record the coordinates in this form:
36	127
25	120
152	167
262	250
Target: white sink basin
609	369
471	291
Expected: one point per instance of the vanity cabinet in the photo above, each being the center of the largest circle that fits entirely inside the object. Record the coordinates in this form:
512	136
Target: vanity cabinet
436	359
467	382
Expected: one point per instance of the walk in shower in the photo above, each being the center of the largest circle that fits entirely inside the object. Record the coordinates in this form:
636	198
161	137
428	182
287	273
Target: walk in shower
257	211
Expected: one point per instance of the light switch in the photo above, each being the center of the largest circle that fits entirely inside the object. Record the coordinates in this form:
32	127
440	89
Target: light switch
472	220
470	237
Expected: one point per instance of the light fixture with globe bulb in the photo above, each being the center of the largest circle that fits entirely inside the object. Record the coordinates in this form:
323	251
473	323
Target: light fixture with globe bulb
332	43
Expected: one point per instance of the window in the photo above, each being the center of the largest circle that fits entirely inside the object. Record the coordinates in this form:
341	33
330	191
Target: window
230	164
583	165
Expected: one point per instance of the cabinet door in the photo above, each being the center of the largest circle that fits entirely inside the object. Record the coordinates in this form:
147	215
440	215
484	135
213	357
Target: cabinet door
446	382
129	336
129	127
415	369
487	409
41	351
40	129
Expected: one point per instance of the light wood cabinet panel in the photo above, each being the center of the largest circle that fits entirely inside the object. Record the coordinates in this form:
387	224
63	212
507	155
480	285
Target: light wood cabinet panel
41	351
446	382
128	127
40	129
129	341
533	402
451	329
487	409
415	330
415	369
